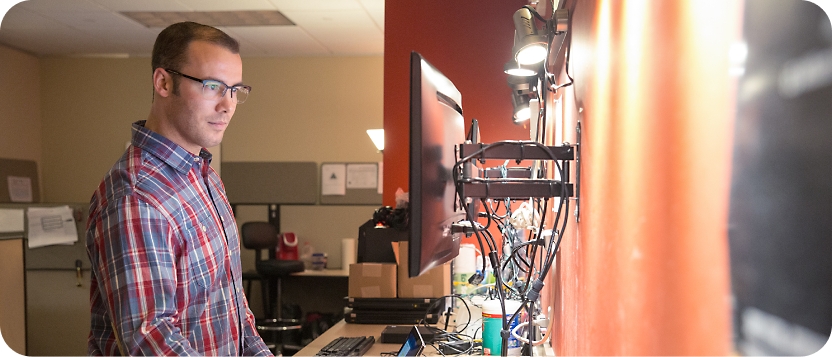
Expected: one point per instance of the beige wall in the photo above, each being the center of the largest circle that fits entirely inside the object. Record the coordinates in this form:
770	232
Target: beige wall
308	109
88	105
20	121
301	109
73	116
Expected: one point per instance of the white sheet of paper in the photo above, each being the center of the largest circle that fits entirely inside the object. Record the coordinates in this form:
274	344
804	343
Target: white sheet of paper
333	177
11	220
362	176
51	225
20	188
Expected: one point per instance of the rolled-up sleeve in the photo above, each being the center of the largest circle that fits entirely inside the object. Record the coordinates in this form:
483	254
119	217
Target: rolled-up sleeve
253	345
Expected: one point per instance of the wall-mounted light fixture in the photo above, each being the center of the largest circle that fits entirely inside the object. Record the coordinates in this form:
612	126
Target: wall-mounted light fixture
523	85
527	69
521	107
522	90
377	136
512	68
529	46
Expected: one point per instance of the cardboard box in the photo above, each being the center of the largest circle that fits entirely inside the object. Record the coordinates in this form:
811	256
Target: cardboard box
434	283
372	280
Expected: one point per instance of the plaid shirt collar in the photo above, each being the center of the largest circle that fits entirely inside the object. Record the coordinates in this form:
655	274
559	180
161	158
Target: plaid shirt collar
166	150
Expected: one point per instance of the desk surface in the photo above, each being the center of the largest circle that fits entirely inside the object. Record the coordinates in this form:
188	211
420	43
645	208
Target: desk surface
342	328
325	272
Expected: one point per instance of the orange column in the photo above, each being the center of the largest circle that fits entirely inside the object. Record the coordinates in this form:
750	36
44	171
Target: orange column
645	271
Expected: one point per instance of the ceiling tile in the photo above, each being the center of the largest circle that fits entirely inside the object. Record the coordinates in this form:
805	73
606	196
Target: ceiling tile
144	5
19	18
61	6
318	5
332	20
375	8
226	5
211	18
327	27
108	23
280	41
324	27
54	43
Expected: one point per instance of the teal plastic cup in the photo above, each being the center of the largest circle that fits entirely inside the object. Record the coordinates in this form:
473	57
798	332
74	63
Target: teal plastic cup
492	324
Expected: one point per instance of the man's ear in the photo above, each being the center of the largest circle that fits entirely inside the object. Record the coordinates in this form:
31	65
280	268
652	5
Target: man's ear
162	82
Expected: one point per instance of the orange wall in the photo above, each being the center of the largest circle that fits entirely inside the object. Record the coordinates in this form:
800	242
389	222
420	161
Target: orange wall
469	41
645	271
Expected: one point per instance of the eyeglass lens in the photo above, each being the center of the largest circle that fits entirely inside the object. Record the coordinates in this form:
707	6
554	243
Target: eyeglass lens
216	89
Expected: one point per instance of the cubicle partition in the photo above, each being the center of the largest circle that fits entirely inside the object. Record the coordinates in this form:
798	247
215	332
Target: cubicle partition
57	315
289	195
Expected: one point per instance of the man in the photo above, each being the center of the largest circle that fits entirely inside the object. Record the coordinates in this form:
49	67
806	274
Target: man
161	237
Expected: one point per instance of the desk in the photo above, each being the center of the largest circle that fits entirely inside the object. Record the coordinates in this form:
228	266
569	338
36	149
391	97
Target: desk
324	273
342	328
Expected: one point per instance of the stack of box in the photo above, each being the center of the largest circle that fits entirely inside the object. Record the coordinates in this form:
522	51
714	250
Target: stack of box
382	293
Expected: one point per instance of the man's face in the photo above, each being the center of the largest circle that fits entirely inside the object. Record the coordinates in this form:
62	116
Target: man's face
195	121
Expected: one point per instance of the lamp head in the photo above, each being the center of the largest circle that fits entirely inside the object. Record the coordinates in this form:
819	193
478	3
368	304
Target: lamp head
522	85
522	112
524	23
512	68
529	46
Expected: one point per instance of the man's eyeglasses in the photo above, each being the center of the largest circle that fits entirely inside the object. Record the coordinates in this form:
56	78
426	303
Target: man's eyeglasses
214	89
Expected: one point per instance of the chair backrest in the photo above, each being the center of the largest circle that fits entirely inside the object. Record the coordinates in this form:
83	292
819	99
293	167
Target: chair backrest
259	235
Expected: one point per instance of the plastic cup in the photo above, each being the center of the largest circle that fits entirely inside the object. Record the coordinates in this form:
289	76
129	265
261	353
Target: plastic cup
492	324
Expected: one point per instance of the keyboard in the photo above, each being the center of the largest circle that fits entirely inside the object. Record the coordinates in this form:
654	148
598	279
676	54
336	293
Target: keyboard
347	346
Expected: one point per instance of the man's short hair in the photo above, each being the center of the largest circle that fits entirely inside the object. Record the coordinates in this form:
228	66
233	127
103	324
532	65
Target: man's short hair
172	43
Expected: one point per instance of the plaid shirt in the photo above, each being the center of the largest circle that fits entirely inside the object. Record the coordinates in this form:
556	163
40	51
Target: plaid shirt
165	256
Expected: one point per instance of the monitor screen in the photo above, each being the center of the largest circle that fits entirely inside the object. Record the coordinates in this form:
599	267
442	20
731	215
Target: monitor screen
436	127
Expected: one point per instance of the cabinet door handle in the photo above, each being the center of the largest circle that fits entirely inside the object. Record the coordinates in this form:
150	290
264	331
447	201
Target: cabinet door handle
78	274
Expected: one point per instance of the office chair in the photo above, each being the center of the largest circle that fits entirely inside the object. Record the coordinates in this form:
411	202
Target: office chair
259	236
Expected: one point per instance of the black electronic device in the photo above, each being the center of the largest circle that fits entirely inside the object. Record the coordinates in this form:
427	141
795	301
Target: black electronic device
456	346
347	346
413	345
396	304
374	245
388	317
436	127
399	333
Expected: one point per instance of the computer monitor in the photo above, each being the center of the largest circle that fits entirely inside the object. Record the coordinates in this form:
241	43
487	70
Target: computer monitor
436	127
